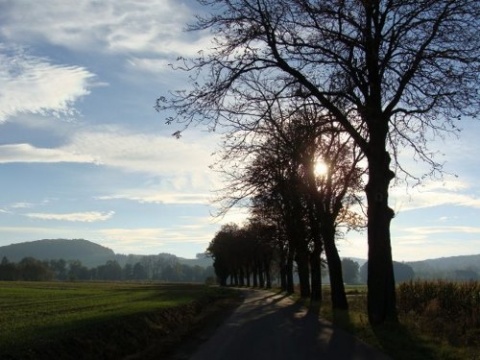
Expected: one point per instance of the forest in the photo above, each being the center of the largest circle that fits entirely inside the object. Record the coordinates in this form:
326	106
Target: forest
155	267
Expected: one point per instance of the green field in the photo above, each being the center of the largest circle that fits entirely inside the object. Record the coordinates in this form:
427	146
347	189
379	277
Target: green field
68	317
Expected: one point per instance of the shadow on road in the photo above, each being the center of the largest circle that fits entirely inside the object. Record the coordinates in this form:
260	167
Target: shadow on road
274	327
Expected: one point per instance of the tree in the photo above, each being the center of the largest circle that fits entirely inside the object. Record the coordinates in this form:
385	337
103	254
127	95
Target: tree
59	267
350	270
8	270
138	272
388	71
403	272
76	271
31	269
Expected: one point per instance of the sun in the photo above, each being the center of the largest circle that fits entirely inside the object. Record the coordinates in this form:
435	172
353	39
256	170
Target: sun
320	169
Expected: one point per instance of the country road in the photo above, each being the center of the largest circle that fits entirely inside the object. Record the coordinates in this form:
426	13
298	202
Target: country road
270	326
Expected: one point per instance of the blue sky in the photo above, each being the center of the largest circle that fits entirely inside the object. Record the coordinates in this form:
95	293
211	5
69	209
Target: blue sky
83	154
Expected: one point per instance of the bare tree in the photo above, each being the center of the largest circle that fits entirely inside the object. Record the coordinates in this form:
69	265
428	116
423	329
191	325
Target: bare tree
388	71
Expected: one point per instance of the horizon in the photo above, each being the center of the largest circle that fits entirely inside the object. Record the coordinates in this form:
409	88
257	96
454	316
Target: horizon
204	253
83	153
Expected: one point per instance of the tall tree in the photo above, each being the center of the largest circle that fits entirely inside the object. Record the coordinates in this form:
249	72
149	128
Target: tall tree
387	70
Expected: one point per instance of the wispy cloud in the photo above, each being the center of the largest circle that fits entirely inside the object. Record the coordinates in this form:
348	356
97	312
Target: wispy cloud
425	231
26	153
21	205
436	193
127	151
113	26
164	197
89	216
30	84
140	152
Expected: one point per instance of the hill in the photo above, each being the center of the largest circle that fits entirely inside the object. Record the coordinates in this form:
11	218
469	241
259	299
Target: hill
89	253
462	267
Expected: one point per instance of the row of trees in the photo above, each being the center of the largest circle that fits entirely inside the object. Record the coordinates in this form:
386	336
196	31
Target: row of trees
288	77
31	269
253	255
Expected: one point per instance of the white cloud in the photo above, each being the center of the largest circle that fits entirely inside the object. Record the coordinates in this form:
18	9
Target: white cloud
436	193
147	153
30	84
149	65
153	240
26	153
131	152
109	25
21	205
425	231
161	197
89	216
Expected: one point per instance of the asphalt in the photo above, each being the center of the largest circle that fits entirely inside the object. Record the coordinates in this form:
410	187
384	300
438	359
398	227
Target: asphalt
271	326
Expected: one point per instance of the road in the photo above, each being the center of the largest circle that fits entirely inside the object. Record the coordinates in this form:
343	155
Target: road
271	326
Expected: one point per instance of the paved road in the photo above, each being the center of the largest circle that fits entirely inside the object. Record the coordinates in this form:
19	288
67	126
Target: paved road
268	326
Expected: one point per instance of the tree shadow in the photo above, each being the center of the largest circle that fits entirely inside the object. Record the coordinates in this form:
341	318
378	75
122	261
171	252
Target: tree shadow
393	339
399	341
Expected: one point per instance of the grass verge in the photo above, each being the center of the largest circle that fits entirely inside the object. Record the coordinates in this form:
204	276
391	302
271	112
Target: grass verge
406	340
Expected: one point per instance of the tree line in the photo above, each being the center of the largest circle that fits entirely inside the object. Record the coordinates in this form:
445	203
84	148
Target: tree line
31	269
350	82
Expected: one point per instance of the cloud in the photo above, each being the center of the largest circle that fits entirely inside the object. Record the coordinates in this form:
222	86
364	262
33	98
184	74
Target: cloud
436	193
30	84
160	197
153	240
26	153
21	205
425	231
148	153
113	26
89	216
115	147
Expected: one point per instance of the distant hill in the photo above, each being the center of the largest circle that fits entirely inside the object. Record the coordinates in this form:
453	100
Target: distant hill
447	267
89	253
92	255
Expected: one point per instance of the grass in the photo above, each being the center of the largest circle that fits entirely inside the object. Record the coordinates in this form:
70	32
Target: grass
36	315
412	338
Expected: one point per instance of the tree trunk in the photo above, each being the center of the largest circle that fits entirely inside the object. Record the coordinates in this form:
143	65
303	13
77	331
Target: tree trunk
254	274
381	283
242	276
283	270
289	275
316	271
339	298
261	278
303	271
268	278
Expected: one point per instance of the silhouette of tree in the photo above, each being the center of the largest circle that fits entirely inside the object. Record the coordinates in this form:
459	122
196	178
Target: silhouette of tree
388	71
280	174
350	270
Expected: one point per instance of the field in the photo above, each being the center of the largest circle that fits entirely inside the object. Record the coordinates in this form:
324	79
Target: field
437	320
95	320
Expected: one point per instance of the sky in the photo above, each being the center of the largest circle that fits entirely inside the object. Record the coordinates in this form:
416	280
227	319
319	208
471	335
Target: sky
84	154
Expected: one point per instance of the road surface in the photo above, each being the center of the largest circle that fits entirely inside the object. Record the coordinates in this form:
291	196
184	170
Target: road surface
271	326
